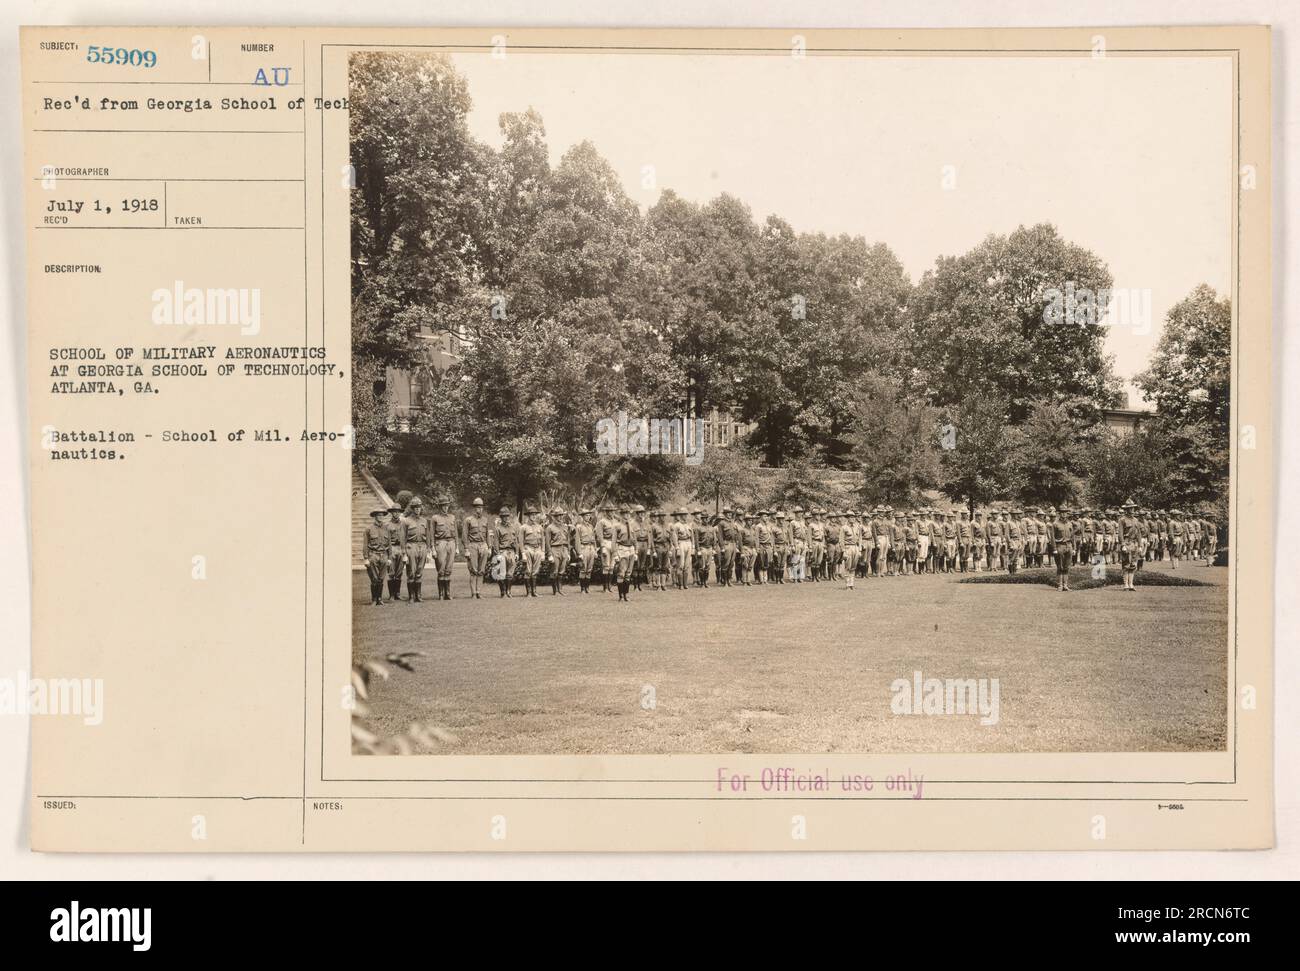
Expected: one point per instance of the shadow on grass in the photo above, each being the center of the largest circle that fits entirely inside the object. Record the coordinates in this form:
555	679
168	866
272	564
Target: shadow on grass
1081	578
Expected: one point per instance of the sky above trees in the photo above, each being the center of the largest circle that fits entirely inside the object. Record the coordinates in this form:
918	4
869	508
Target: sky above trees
983	375
1127	157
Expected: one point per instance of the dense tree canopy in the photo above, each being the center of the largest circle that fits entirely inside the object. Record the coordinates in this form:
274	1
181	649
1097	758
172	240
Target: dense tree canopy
895	440
1190	382
1019	317
984	380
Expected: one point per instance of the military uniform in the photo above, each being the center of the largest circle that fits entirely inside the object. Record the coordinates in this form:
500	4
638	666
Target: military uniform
866	543
748	549
1063	546
419	539
624	556
965	539
444	546
558	538
924	537
780	547
505	543
586	542
834	546
396	551
661	541
475	537
1130	532
532	546
816	544
977	541
950	548
1144	531
911	546
683	544
706	543
1015	541
644	553
605	527
1110	536
764	565
377	552
729	541
1004	524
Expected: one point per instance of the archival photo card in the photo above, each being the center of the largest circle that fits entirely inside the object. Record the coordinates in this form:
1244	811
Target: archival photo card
689	440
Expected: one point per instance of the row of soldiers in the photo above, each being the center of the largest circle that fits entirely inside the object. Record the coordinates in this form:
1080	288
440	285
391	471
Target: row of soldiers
629	545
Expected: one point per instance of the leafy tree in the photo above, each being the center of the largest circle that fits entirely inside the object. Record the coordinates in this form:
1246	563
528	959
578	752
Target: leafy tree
834	308
518	414
1190	377
582	245
647	479
1124	466
804	481
521	177
1197	471
371	406
984	324
416	218
1190	381
726	475
706	284
1049	455
973	447
417	211
895	441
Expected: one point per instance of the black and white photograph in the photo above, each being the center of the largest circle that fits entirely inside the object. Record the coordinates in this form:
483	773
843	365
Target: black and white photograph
612	441
769	401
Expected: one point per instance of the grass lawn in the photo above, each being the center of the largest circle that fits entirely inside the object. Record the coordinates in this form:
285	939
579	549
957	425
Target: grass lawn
808	668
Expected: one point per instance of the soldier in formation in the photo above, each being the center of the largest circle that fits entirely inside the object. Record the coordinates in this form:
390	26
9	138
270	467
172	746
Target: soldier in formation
631	545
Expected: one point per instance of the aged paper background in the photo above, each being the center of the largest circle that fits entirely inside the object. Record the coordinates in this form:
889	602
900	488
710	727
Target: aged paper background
189	749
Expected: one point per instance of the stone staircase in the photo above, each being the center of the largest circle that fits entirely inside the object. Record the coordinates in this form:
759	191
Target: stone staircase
367	494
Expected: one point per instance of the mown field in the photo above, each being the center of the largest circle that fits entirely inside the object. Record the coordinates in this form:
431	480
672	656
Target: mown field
809	668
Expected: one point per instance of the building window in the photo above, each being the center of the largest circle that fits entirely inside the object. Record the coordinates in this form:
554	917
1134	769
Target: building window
417	388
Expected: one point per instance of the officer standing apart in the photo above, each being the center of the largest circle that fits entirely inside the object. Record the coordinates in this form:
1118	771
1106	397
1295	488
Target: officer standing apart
1130	536
1063	544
